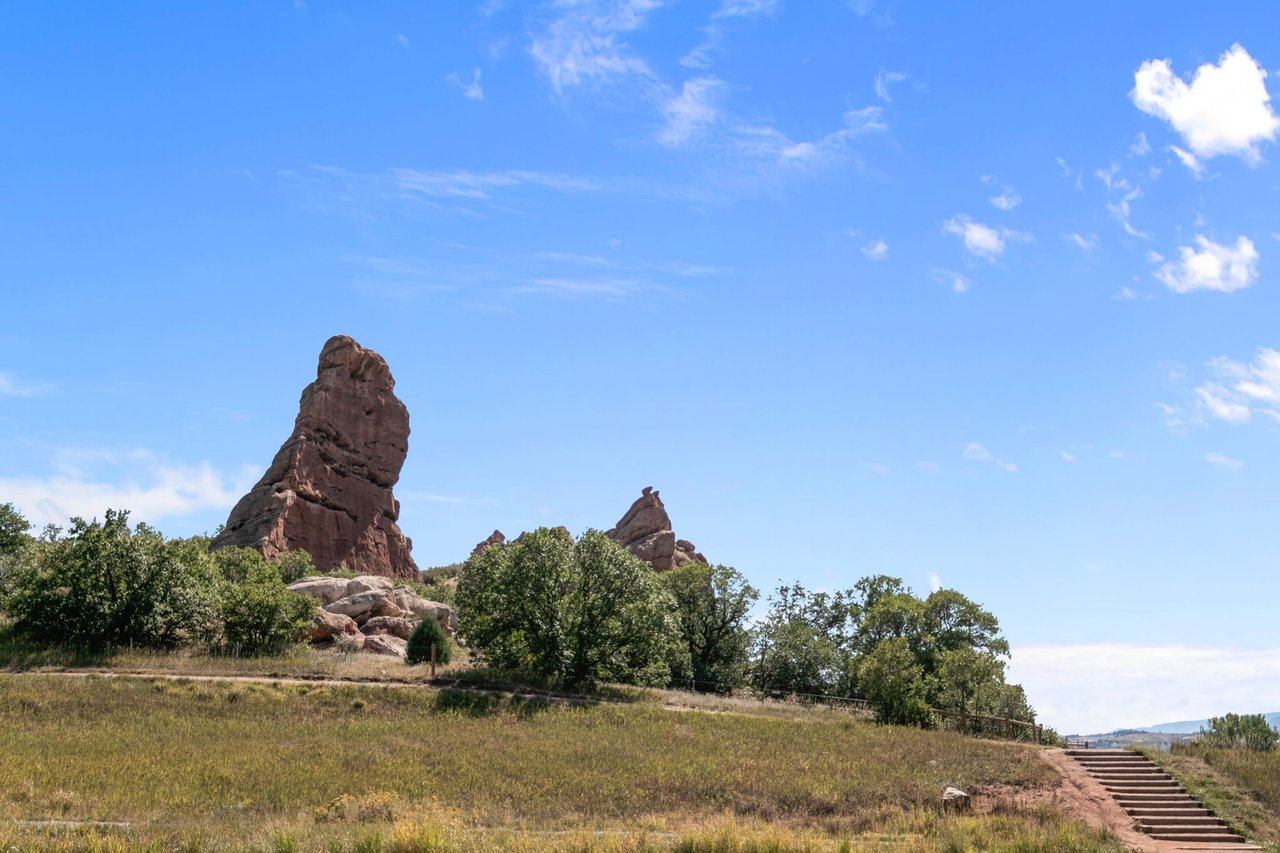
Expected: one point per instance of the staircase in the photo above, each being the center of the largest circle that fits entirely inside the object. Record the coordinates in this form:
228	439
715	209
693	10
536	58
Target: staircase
1157	803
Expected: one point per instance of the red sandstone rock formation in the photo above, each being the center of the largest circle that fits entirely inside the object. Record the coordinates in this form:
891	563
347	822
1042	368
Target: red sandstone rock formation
645	530
328	490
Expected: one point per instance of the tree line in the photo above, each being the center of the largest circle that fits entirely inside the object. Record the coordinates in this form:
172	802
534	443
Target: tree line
546	606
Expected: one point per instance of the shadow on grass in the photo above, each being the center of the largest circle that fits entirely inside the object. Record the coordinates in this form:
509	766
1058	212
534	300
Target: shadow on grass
472	704
18	653
483	678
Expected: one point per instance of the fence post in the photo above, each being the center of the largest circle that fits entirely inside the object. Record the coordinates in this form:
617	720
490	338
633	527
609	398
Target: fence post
433	660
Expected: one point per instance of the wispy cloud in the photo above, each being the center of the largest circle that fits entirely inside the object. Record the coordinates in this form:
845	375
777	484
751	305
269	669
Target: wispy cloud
470	89
13	386
883	78
1219	460
876	250
691	112
770	145
1122	193
958	282
584	45
86	483
1085	242
982	241
1241	389
745	8
976	452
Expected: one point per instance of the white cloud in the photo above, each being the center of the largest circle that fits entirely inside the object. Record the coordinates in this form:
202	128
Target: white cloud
1117	454
745	8
882	81
771	145
1219	460
582	47
578	288
876	250
1140	147
1214	267
471	89
1008	199
1224	110
401	39
925	465
1087	689
956	281
1086	242
691	112
1125	293
935	582
980	240
976	452
87	483
1068	457
877	468
1189	160
12	386
1253	388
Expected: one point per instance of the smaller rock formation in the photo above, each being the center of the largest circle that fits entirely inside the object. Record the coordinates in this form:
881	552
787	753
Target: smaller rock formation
495	538
645	530
367	608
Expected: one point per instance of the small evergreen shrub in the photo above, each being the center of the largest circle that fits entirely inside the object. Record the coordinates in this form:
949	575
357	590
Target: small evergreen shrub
428	632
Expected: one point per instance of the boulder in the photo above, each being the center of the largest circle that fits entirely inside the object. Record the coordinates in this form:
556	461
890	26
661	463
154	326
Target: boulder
954	799
328	489
645	530
326	626
368	583
495	538
365	605
395	626
328	590
385	644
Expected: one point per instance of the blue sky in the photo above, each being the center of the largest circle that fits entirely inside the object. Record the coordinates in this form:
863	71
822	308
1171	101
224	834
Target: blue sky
977	296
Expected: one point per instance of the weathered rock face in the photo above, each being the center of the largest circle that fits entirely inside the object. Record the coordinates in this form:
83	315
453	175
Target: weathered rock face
645	530
495	538
328	490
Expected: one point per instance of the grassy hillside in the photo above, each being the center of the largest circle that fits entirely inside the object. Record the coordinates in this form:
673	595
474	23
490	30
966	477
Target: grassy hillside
1241	786
200	766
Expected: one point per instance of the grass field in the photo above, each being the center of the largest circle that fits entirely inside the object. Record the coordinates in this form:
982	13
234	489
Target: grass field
206	766
1242	787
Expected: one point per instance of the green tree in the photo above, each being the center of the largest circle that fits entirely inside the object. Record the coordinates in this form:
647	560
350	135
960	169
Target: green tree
712	603
1240	731
574	612
962	675
799	643
893	680
14	538
103	584
260	614
951	621
428	634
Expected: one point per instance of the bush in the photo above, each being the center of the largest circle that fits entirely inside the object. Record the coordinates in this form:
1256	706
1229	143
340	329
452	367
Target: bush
104	584
893	680
260	615
1240	731
573	612
427	634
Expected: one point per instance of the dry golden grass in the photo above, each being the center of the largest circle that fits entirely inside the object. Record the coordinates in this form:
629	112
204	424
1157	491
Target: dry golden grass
209	766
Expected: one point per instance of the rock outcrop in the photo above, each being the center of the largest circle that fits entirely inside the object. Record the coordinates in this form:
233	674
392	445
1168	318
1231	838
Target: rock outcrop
645	530
328	490
495	538
358	610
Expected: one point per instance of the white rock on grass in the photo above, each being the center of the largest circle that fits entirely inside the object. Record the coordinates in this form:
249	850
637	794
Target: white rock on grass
385	644
328	590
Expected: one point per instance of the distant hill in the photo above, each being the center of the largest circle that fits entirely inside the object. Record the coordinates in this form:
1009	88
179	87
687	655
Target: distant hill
1193	726
1157	736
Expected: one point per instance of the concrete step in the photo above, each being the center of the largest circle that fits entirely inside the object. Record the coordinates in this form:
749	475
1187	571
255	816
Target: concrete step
1141	813
1181	821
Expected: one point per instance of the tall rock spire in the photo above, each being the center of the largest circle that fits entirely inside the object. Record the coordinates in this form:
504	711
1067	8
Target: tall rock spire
328	490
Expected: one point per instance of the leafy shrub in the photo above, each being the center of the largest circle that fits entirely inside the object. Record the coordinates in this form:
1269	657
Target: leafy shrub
260	615
104	584
574	612
1240	731
893	680
427	634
